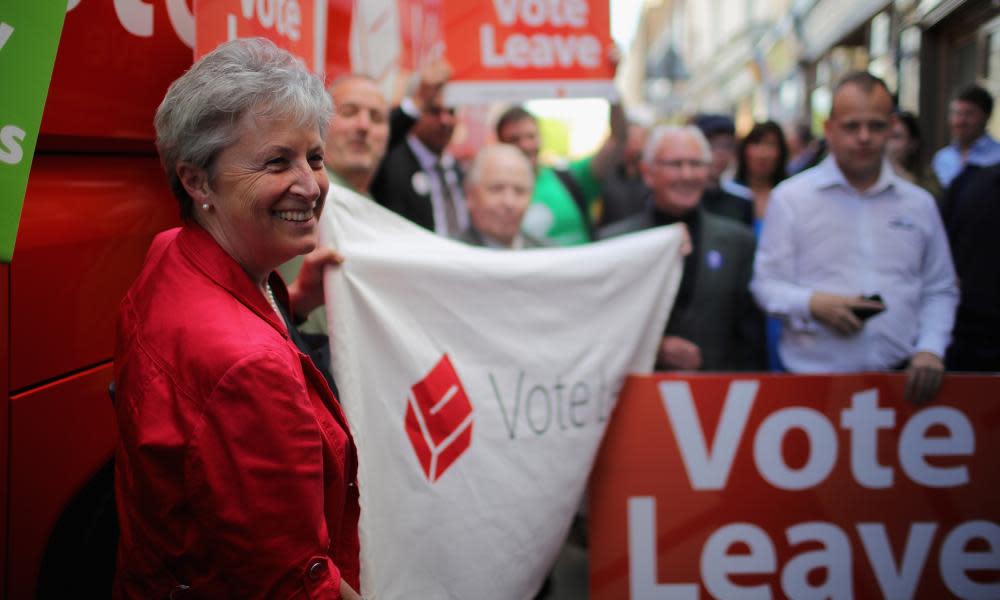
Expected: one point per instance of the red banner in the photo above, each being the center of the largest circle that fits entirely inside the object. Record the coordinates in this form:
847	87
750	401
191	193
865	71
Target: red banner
796	487
290	24
523	49
114	64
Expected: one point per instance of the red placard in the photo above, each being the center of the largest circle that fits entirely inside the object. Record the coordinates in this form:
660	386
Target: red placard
795	487
113	67
290	24
523	49
339	22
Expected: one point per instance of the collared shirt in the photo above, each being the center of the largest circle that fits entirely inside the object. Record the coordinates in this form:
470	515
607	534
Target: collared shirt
821	234
336	179
491	242
948	162
428	162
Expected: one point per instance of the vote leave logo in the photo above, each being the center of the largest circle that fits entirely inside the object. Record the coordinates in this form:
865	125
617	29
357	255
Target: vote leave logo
438	419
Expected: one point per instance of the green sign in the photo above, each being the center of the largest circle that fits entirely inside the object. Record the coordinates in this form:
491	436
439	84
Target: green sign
29	37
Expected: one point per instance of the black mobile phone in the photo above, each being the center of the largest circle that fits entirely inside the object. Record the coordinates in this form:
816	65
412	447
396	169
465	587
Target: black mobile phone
865	313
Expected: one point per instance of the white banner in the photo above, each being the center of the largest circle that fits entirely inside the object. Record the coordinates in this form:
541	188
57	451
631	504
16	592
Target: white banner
478	384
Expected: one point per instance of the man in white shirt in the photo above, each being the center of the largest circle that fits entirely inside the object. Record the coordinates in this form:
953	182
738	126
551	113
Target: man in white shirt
850	228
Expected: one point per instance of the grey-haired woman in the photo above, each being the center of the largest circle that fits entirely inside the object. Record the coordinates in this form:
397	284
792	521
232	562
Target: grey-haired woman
235	474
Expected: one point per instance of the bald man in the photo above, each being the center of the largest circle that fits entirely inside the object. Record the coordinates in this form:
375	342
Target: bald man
358	133
854	259
498	190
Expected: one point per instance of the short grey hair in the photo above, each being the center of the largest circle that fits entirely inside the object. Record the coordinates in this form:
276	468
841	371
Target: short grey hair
199	114
475	171
660	132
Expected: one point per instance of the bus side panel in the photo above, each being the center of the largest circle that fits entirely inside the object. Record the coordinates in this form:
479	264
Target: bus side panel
114	64
85	228
61	434
86	225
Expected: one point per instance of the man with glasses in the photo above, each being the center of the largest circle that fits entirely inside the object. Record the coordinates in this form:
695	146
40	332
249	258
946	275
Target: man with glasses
715	324
419	179
854	259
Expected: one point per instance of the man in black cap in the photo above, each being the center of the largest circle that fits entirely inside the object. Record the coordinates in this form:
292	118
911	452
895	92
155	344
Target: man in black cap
720	198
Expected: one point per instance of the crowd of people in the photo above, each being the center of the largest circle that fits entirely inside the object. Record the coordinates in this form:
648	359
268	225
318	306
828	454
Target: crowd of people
807	289
834	255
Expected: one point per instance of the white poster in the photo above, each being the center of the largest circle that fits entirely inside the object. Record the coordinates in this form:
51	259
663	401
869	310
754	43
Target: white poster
478	384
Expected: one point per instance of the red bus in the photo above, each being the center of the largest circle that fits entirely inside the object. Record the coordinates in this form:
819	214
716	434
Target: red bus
95	198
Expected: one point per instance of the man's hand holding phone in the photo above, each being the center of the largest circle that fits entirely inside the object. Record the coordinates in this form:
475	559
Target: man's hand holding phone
870	310
844	314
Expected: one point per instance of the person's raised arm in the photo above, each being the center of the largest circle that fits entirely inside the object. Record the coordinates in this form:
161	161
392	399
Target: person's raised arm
611	152
431	80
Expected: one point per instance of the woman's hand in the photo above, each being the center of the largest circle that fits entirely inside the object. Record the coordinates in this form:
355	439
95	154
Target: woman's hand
347	592
306	292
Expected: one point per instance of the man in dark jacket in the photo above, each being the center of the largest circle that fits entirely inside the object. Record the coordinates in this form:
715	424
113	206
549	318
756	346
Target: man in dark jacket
715	324
722	196
419	179
972	220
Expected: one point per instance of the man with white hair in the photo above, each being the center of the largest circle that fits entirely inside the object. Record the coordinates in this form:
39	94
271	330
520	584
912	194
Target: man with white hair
498	189
715	324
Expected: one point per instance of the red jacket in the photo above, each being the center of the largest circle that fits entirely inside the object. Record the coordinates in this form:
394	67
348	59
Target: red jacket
236	473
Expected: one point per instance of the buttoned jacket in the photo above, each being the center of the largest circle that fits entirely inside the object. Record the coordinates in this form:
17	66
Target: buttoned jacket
235	473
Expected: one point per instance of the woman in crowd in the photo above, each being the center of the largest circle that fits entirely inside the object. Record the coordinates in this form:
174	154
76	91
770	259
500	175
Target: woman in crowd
762	157
235	473
903	149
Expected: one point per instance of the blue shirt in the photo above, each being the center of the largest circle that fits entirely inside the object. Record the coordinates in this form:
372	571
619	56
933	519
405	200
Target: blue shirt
947	162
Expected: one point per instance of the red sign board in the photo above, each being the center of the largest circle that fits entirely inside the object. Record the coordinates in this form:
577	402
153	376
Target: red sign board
113	67
290	24
522	49
339	22
796	487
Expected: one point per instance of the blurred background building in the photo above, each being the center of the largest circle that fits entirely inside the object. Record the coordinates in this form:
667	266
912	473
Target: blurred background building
778	59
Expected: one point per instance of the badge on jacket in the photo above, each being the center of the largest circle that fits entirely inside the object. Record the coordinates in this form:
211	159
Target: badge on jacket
420	183
713	258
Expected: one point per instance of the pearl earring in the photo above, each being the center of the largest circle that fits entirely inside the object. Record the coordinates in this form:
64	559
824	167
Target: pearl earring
205	206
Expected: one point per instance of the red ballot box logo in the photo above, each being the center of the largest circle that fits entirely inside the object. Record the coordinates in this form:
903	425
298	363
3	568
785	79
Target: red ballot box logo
438	419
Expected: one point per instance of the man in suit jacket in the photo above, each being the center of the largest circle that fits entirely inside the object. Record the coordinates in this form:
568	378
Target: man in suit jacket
418	179
723	196
715	324
498	189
